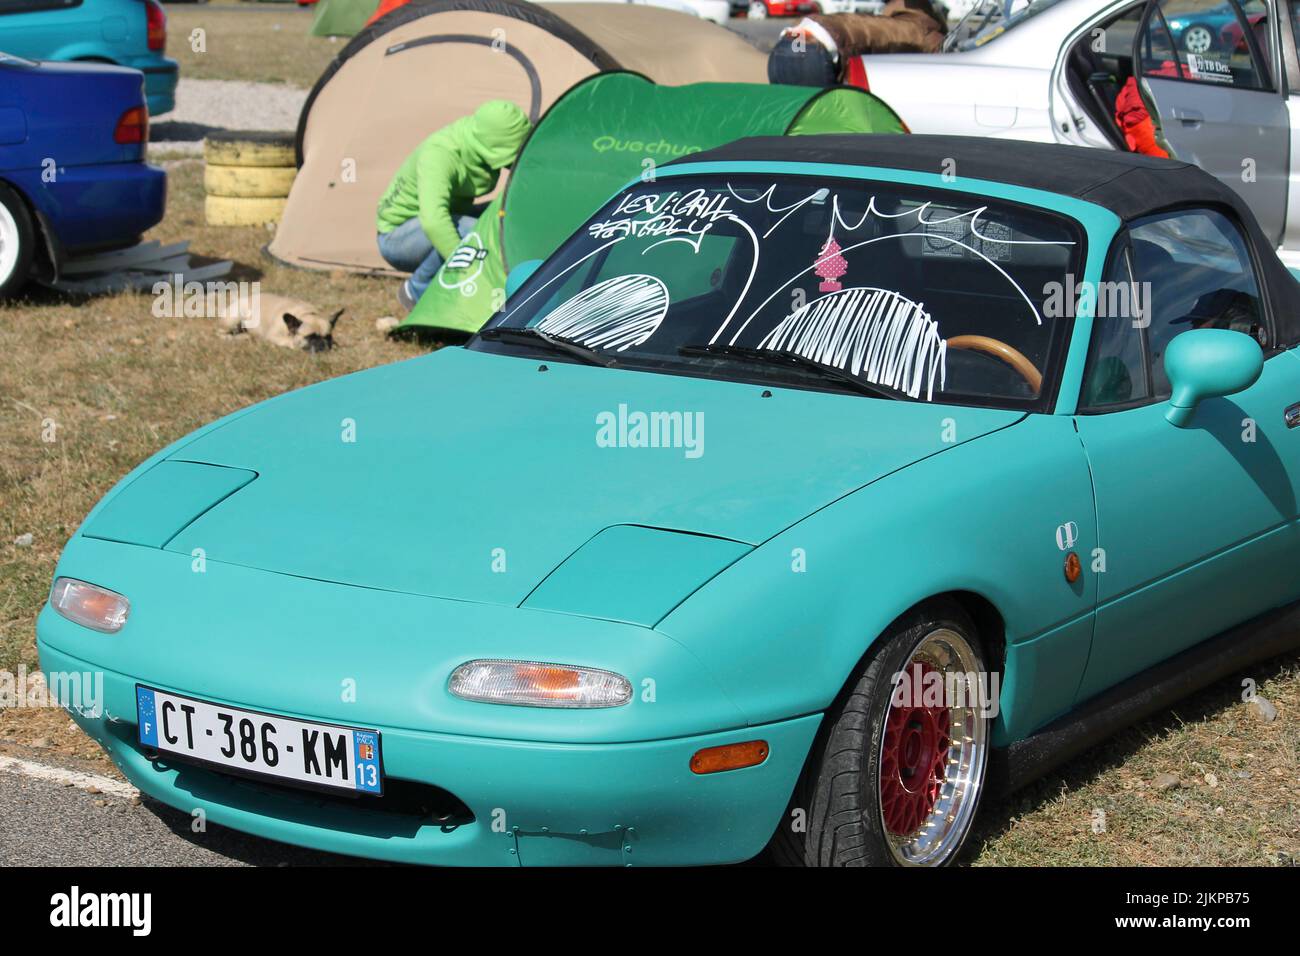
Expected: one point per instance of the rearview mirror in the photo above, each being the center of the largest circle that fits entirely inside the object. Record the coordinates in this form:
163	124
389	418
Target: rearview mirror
1208	363
519	275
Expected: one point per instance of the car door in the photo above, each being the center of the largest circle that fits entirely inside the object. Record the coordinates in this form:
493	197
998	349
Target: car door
1208	67
1196	525
1289	46
1093	65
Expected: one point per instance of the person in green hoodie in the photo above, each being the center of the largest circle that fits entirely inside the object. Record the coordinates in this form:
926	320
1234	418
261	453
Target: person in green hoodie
428	207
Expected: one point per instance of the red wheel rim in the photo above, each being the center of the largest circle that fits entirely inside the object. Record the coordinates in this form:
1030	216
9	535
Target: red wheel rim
913	755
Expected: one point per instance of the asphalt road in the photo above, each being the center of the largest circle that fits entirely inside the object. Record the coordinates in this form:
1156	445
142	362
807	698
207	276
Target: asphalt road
49	822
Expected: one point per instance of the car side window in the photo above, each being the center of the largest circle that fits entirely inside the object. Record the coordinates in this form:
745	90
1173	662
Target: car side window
1207	41
1195	272
1117	373
1156	53
1182	271
1115	36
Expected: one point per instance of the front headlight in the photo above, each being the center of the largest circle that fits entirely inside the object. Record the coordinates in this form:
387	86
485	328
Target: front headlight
533	684
90	605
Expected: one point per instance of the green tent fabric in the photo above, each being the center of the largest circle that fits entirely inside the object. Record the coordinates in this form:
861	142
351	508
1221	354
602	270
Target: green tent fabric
600	135
342	18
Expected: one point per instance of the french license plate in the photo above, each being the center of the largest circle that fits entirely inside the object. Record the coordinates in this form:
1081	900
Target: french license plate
296	751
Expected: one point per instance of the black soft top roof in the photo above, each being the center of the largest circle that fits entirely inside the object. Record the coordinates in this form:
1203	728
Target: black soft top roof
1129	184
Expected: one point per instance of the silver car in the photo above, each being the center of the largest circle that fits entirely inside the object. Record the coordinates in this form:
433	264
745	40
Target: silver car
1221	77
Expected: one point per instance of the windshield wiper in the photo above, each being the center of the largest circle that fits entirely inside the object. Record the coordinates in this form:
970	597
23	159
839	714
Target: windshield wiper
786	357
555	343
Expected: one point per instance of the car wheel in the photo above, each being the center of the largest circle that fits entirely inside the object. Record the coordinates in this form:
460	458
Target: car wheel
896	774
758	10
1198	38
17	242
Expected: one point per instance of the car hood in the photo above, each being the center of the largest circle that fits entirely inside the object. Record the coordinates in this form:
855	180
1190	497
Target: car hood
473	476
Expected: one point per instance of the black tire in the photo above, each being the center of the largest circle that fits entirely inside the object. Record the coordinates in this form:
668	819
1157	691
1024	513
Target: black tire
15	276
838	795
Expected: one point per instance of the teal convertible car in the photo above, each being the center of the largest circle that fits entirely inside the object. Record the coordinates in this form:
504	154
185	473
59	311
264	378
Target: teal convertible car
812	489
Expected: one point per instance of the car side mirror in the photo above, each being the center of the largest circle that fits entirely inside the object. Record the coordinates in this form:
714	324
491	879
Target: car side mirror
1208	363
519	275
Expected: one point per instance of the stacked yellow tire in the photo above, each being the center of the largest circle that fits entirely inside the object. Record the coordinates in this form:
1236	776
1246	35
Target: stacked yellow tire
247	176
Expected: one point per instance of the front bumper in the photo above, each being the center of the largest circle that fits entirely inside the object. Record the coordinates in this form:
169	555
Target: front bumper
616	804
543	785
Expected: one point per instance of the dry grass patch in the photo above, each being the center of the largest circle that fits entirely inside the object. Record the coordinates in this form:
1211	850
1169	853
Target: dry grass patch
267	45
1234	803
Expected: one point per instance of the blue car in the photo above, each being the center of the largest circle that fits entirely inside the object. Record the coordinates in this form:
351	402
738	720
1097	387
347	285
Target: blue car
73	179
130	33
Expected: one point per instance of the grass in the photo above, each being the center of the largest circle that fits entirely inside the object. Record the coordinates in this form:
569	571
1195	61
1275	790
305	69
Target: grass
119	383
269	44
1235	804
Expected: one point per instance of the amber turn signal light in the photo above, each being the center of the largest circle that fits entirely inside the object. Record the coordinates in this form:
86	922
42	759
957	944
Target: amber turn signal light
729	757
1072	567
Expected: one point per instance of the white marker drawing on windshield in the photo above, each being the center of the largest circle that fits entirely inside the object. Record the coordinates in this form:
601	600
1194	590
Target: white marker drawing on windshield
614	314
878	335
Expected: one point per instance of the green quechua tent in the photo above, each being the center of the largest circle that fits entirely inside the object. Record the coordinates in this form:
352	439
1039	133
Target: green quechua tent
342	18
606	131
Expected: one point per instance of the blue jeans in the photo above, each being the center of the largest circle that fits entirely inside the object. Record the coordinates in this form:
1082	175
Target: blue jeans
407	249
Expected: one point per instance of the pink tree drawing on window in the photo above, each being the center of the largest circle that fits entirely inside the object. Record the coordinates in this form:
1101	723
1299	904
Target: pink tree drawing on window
830	266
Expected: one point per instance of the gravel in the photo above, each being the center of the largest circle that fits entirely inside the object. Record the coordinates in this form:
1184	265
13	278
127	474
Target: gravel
206	105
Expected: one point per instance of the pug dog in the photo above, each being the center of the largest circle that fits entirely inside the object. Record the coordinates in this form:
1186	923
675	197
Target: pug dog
289	323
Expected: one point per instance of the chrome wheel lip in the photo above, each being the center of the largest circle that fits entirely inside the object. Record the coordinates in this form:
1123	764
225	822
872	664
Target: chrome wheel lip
954	810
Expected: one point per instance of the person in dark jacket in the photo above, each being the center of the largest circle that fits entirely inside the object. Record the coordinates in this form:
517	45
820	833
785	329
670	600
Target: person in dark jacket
819	49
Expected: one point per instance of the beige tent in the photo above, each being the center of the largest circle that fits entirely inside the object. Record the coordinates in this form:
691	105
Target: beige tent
428	63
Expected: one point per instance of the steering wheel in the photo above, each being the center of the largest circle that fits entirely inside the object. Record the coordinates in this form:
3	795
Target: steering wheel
1000	350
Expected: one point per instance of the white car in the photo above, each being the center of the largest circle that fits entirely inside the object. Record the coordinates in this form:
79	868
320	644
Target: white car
715	10
1223	77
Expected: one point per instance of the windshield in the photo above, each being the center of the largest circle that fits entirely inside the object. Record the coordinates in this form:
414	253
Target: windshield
899	291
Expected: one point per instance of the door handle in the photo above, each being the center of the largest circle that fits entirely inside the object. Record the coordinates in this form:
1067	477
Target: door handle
1192	118
1292	415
